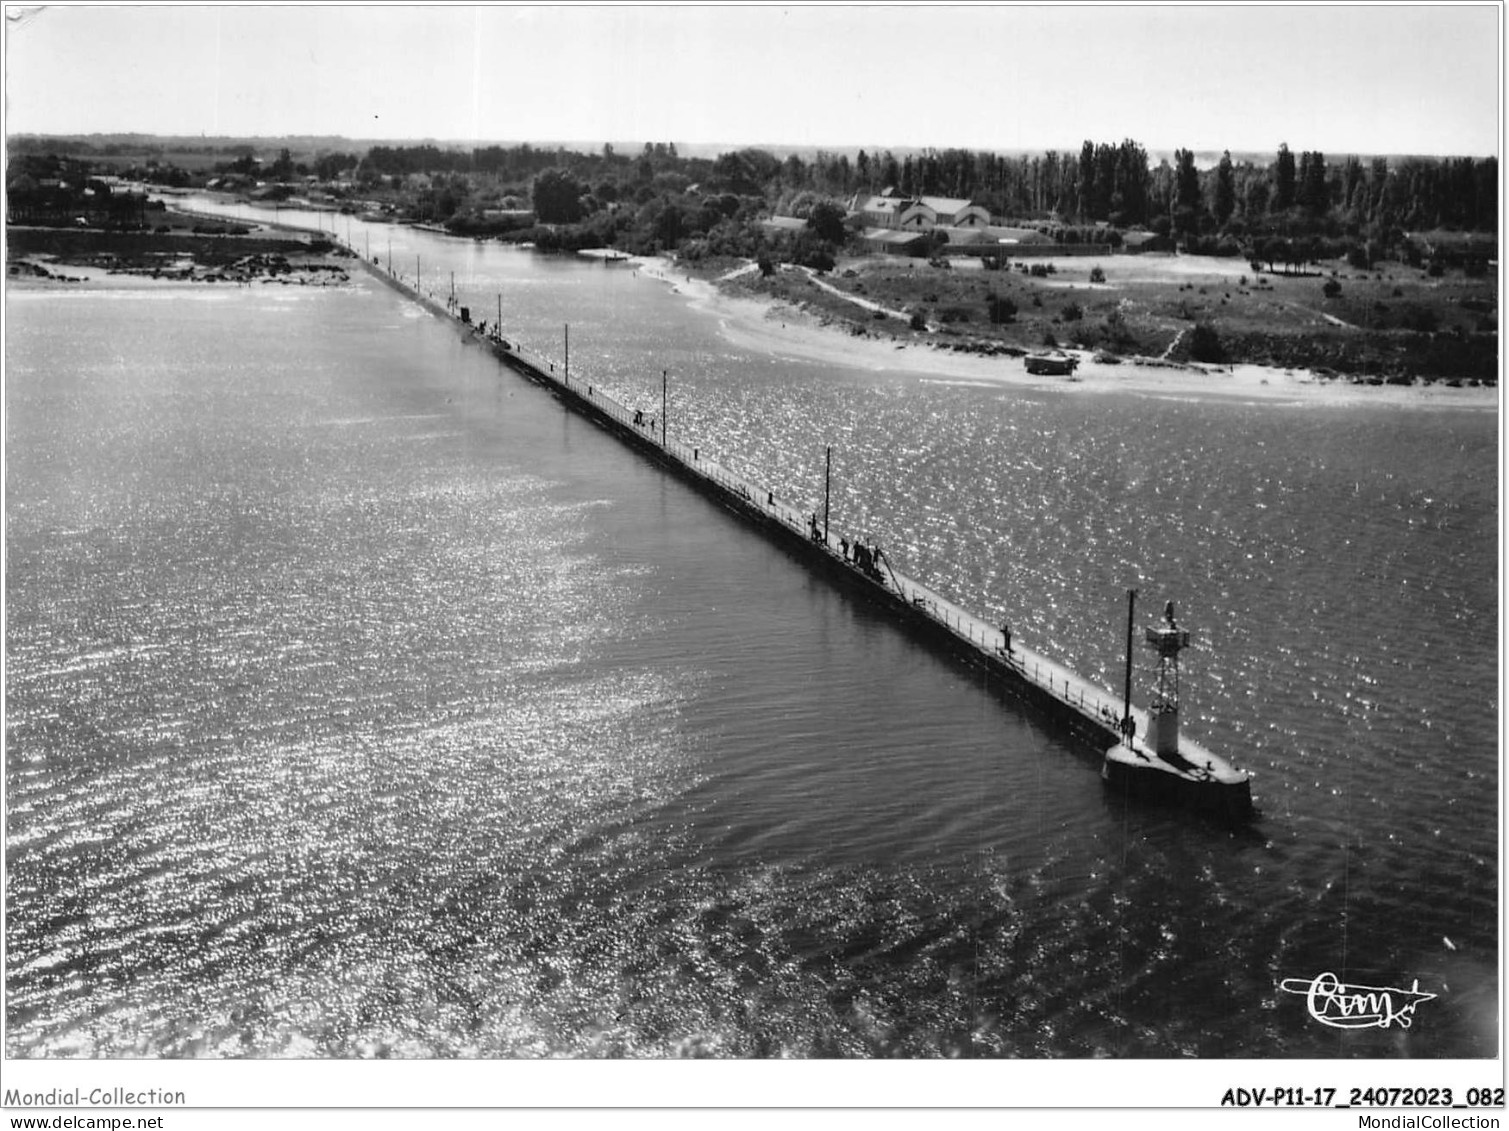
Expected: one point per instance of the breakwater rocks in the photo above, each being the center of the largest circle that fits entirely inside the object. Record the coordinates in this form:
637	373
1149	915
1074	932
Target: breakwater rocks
46	253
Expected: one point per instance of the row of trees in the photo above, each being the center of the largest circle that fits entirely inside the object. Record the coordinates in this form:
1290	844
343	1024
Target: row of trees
1307	195
1295	209
325	167
1302	193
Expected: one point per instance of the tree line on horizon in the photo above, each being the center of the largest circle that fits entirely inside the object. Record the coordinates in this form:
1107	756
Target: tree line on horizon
657	199
1114	184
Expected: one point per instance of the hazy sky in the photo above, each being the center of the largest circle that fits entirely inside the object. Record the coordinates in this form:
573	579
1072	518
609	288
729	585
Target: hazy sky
1336	78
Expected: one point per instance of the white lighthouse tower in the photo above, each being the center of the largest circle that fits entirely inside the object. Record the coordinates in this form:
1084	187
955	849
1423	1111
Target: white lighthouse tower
1167	640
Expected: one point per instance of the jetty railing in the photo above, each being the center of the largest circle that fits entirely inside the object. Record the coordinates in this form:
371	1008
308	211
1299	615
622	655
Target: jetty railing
1056	680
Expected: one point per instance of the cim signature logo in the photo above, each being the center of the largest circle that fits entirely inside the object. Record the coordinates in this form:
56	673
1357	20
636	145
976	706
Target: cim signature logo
1333	1002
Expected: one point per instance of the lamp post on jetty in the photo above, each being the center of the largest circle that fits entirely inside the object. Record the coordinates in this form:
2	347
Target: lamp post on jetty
827	491
1126	711
567	365
664	404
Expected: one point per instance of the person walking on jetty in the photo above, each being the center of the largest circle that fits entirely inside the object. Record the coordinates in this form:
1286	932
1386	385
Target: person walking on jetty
1006	639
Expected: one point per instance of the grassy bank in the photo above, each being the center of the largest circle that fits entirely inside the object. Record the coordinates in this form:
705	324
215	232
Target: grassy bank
1398	323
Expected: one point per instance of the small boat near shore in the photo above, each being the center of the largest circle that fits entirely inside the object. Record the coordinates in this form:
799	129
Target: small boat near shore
1052	363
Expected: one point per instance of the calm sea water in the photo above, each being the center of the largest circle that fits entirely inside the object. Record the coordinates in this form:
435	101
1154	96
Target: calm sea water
362	701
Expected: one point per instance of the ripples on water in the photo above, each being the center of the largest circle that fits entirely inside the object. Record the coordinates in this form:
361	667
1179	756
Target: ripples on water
361	702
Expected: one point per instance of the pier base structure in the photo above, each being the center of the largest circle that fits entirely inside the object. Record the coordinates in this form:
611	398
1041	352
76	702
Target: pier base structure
1157	766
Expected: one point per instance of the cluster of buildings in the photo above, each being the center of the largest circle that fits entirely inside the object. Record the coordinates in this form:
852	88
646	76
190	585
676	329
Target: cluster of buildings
93	202
894	224
908	225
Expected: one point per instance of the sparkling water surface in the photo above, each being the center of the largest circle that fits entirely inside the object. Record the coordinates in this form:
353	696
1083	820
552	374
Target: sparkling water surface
362	701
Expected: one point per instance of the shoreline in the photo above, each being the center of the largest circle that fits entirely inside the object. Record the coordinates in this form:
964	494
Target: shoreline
777	329
780	330
86	279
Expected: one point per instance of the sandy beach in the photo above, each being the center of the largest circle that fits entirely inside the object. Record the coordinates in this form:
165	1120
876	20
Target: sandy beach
784	331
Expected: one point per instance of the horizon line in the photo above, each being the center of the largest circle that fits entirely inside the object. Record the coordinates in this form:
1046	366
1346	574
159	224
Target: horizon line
588	147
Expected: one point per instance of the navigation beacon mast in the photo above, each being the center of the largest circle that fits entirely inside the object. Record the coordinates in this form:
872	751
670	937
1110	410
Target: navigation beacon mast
1168	640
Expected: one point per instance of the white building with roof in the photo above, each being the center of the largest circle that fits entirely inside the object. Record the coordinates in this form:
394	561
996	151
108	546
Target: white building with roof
920	213
891	223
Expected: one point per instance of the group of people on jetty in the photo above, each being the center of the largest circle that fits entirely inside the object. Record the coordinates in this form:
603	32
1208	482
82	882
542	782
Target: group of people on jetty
480	328
867	560
864	558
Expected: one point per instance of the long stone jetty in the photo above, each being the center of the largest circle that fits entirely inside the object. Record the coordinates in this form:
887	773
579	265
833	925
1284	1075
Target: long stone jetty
1187	775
